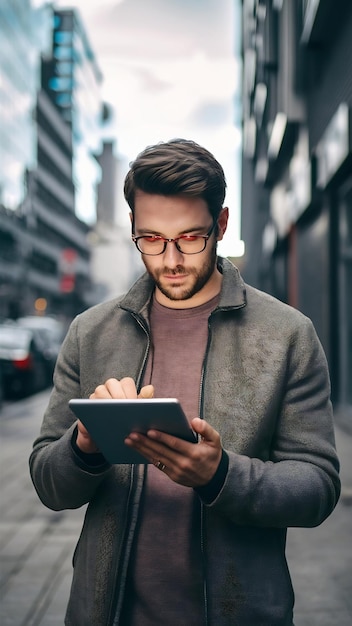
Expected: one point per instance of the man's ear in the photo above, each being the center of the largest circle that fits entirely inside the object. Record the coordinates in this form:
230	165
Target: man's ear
222	223
132	221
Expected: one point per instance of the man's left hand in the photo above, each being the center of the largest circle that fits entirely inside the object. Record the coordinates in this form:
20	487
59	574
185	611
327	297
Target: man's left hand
188	464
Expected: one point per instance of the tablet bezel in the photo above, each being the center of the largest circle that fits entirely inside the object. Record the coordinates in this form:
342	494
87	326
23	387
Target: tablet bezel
109	422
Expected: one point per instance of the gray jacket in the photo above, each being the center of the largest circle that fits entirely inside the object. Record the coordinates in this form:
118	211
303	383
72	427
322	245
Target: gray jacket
265	388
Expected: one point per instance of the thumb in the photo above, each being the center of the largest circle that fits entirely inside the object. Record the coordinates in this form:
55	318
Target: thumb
207	433
146	392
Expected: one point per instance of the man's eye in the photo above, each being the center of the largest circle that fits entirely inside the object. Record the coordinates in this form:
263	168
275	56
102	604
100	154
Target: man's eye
189	238
151	238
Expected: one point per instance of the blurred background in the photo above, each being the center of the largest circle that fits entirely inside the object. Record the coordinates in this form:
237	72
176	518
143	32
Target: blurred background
266	85
85	85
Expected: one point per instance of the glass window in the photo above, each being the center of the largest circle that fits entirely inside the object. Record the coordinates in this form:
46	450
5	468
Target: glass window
64	68
63	37
63	52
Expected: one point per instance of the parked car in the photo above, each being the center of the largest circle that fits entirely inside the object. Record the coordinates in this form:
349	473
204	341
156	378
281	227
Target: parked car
1	387
51	330
25	363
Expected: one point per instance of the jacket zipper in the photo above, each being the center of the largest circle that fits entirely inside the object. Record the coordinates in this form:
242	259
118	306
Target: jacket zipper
141	372
115	608
202	507
116	603
136	487
202	548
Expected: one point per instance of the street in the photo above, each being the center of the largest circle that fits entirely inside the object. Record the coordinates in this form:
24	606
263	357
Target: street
36	545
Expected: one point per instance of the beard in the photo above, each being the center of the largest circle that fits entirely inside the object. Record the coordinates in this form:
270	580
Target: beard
199	277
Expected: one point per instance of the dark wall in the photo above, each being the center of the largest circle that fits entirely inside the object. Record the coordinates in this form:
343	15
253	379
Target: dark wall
254	216
313	259
330	76
330	85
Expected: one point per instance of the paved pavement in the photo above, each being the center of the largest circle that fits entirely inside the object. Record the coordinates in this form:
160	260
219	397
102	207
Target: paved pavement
320	559
36	544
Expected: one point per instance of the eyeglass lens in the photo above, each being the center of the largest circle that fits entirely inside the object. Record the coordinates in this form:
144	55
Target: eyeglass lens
185	244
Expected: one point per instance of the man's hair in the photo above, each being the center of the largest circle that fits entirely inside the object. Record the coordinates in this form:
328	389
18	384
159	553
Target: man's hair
177	167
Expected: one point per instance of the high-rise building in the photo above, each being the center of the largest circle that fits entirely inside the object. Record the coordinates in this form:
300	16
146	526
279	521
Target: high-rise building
51	176
49	131
22	35
297	165
72	80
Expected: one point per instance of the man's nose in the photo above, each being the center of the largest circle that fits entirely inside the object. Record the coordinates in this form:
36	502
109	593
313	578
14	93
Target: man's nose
172	255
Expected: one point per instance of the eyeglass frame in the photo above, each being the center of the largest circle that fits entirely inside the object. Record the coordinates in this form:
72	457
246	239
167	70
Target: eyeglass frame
167	240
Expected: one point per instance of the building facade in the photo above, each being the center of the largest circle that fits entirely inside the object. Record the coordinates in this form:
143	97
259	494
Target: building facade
22	36
297	165
72	79
49	131
21	30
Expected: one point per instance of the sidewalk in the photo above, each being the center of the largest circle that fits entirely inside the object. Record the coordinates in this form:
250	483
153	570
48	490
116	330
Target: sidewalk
36	545
320	559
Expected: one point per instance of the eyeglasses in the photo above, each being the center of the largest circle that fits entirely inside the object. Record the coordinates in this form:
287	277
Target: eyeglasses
152	245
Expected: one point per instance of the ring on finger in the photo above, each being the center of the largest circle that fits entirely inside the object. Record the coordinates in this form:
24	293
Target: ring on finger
160	465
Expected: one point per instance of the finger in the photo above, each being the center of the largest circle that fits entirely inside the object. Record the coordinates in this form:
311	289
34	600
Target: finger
113	388
145	446
100	392
181	446
84	441
146	392
124	388
208	433
165	447
128	387
82	429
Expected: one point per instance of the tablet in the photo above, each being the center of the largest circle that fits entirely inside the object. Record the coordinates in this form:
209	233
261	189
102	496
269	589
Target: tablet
109	422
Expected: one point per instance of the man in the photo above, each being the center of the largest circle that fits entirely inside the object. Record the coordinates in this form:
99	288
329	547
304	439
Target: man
197	536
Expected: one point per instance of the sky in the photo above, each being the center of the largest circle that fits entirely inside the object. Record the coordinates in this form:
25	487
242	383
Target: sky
170	70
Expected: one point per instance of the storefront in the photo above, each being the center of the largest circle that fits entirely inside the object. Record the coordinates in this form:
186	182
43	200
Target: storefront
334	179
345	291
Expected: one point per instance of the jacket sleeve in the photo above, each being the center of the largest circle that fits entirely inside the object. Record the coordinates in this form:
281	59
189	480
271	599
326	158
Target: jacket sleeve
298	484
61	478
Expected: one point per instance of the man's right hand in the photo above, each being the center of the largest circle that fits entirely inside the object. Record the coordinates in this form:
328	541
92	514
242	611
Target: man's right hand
112	389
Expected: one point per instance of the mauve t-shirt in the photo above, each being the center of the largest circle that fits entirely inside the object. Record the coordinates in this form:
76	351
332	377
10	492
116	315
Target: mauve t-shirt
165	577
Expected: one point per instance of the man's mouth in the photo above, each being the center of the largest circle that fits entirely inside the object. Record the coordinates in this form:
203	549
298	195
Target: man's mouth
174	277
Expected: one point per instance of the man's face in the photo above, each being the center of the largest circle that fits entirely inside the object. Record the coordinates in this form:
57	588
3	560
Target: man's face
181	280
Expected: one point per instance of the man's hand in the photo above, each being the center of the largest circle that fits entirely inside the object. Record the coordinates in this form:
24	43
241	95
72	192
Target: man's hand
120	389
188	464
113	388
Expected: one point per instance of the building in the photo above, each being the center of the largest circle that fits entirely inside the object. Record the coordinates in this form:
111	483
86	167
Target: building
20	31
297	165
49	132
115	261
61	254
72	79
22	36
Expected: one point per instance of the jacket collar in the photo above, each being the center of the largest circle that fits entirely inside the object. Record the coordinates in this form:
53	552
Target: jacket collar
233	289
232	296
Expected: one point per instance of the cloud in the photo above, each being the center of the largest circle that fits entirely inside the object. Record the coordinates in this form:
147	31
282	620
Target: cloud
210	113
170	91
148	80
170	28
169	71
